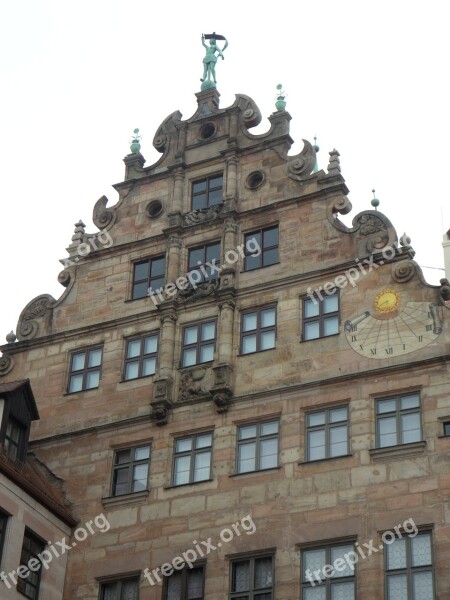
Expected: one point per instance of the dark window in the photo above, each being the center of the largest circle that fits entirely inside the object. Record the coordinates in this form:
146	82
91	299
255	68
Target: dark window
327	433
123	589
148	274
198	257
3	524
252	579
192	459
257	447
207	192
258	330
447	428
267	240
141	355
320	316
15	439
130	472
398	420
187	584
85	370
335	583
409	568
198	343
31	547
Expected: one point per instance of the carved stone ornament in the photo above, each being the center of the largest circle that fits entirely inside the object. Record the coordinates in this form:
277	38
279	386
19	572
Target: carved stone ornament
202	215
65	277
102	216
6	364
303	163
189	388
444	293
222	400
160	412
201	290
35	310
403	271
175	241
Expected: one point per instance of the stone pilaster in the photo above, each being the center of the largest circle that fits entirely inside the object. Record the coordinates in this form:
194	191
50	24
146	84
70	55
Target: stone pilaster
163	383
174	258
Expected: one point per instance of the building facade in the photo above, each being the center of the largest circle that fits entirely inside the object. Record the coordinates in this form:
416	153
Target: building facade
278	427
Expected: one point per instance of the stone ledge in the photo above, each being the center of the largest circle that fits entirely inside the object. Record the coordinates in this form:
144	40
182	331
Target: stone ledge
393	452
125	499
319	460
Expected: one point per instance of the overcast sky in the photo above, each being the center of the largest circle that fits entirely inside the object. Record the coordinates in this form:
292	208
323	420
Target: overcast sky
368	78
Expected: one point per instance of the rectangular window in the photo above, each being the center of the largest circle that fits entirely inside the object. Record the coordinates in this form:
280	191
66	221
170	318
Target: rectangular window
3	524
409	568
192	459
267	240
147	274
85	369
31	547
130	471
187	584
320	316
123	589
258	330
327	433
447	428
398	420
200	256
140	358
207	192
15	439
257	447
199	343
252	579
326	575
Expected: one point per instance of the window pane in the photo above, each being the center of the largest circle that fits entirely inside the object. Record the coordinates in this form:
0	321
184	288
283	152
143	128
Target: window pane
249	322
215	197
133	348
78	361
189	357
422	586
215	182
248	344
411	401
156	284
317	593
203	441
149	366
182	467
132	370
268	317
246	460
384	406
338	552
270	257
316	445
199	201
202	466
196	257
130	590
246	432
208	331
311	308
338	441
313	560
123	456
183	445
263	573
270	237
267	340
316	419
252	262
330	304
140	477
174	586
387	432
194	584
141	271
421	550
140	290
151	344
410	428
121	481
269	454
396	554
95	358
397	587
76	383
331	326
343	591
142	453
207	353
190	335
199	186
312	330
92	379
213	252
269	428
241	576
338	414
158	267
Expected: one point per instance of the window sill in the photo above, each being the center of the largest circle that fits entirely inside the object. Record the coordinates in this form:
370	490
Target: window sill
443	437
323	337
125	499
319	460
257	351
254	472
81	391
137	378
393	452
208	364
180	485
261	267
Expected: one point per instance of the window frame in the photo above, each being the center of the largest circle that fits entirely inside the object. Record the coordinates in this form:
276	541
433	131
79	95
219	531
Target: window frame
259	330
327	582
130	466
200	565
409	570
204	247
327	426
22	582
191	453
8	440
118	582
446	428
258	438
320	318
261	232
207	192
253	593
141	357
86	369
199	343
4	521
398	414
149	277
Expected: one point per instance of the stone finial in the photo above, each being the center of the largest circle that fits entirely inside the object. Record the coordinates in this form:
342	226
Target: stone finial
374	202
11	337
135	145
334	165
280	103
405	240
316	150
79	232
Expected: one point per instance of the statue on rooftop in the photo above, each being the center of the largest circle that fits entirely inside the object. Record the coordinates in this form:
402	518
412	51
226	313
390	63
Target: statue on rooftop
209	62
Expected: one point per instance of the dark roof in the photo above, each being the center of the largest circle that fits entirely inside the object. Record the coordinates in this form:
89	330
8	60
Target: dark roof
13	386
